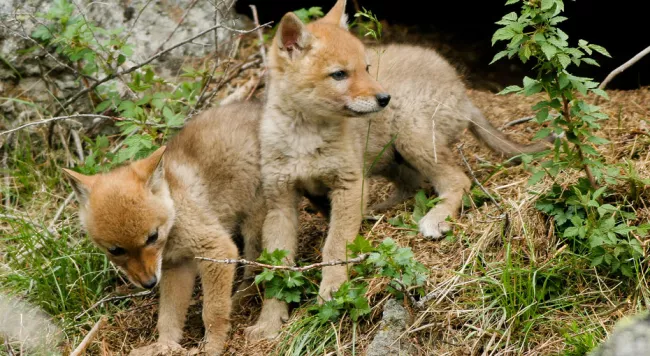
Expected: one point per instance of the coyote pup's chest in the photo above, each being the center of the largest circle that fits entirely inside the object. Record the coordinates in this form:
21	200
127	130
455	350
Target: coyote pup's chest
301	153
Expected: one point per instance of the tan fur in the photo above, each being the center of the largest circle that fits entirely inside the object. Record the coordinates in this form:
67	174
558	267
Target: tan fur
207	185
314	127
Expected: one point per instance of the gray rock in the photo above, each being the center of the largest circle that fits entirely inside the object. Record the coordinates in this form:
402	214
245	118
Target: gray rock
156	21
387	341
630	337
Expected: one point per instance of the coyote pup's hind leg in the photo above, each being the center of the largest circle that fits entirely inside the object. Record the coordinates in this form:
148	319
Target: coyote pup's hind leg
448	179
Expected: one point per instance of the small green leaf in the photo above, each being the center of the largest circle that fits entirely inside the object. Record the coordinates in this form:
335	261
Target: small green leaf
499	56
563	59
548	49
547	4
600	92
600	50
510	89
536	177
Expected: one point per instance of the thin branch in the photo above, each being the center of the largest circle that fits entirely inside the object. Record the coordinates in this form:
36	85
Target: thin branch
80	350
357	259
180	22
59	211
135	21
471	172
48	54
110	299
518	121
149	60
623	67
5	166
260	35
77	144
52	119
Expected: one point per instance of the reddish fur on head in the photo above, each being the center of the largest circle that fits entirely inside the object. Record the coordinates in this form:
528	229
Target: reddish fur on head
122	209
304	60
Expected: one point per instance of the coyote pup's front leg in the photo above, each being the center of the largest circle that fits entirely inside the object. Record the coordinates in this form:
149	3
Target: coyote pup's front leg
345	222
279	232
217	280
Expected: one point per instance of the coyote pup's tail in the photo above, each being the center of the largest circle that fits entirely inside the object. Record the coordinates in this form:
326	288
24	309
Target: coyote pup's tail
498	141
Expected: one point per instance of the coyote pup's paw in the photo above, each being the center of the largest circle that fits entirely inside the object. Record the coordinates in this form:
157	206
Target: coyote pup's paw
167	348
264	329
433	225
333	277
274	314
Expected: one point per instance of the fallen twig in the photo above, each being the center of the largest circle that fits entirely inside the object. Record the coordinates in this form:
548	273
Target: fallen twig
110	299
357	259
471	172
518	121
81	349
54	119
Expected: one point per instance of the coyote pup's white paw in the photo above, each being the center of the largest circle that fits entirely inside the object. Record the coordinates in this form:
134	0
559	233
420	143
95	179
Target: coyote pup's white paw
433	225
167	348
333	277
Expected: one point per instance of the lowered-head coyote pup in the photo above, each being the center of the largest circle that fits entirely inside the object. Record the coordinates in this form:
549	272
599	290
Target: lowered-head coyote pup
324	91
154	215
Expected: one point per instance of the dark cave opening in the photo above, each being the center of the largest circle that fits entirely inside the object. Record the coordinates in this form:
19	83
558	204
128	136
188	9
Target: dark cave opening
462	32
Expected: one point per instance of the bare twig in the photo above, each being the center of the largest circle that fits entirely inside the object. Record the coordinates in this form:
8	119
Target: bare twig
260	35
77	145
357	259
149	60
135	21
518	121
623	67
5	166
81	349
471	172
180	22
59	211
110	299
53	119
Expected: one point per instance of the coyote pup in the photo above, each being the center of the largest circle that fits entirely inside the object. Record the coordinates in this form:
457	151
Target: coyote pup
153	216
322	97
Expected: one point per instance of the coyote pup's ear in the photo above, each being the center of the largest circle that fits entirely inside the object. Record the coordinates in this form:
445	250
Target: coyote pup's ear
81	184
292	35
337	15
151	169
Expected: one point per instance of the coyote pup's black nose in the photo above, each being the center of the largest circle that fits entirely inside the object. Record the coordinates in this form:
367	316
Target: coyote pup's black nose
383	99
150	283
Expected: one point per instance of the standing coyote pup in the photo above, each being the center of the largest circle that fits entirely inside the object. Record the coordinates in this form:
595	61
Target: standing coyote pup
322	95
153	216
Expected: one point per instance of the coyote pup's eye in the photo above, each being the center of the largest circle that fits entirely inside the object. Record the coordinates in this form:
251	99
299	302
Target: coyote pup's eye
152	238
339	75
116	251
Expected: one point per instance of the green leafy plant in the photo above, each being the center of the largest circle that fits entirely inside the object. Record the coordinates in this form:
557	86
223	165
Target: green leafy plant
533	35
152	113
601	230
386	260
285	285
